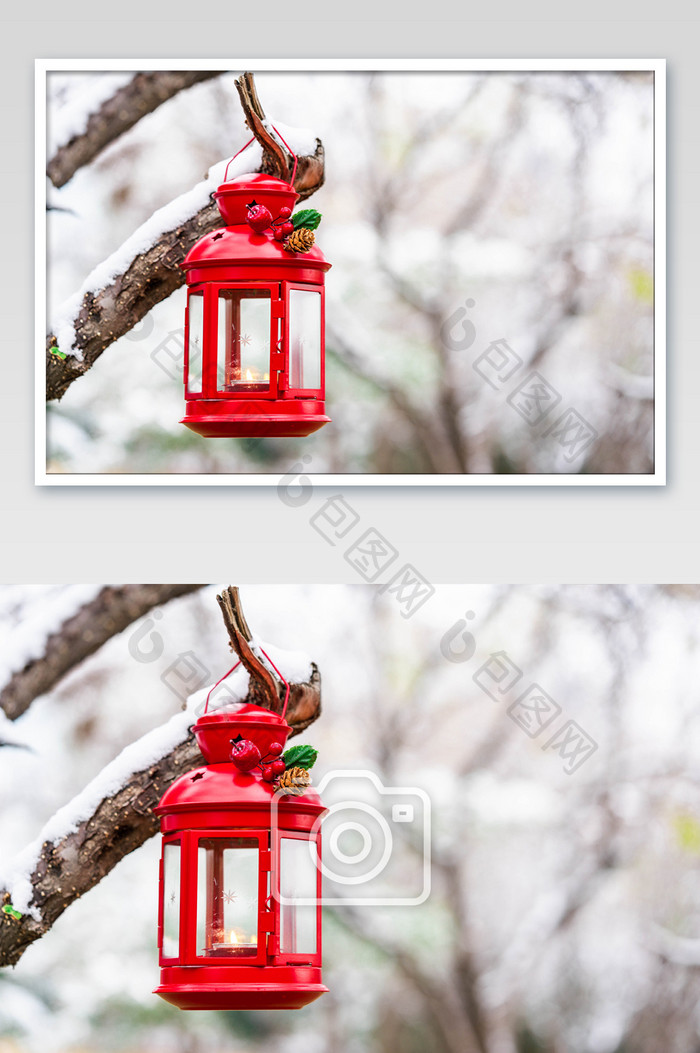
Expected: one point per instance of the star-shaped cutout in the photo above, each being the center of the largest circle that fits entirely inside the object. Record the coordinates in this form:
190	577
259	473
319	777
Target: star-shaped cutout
238	738
199	775
216	237
245	339
229	897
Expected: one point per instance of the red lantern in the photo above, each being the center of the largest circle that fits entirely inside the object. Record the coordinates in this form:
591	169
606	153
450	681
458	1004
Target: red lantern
254	327
230	933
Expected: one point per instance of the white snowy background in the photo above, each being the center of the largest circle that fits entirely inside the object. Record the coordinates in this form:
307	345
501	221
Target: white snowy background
580	891
529	194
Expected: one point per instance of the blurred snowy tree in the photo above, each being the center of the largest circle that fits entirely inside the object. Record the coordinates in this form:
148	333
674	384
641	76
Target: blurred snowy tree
564	912
463	209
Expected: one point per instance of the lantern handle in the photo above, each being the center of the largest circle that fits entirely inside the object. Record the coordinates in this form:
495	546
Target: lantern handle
245	147
221	679
214	687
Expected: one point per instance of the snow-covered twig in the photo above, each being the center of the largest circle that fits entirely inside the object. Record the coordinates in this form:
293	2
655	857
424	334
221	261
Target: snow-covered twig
83	133
68	630
90	835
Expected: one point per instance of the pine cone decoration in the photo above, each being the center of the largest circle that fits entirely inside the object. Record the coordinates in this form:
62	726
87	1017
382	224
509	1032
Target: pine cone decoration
295	780
300	241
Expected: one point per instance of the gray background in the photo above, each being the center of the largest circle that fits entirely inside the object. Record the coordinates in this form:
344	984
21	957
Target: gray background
248	534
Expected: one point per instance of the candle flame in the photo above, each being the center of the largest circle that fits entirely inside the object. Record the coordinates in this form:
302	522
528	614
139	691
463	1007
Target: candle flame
237	938
248	375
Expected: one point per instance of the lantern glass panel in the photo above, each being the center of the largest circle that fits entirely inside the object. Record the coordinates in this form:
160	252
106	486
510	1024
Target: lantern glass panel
227	897
304	339
298	880
243	360
171	900
195	337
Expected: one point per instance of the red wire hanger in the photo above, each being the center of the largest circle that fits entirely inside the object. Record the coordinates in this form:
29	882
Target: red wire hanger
291	181
221	679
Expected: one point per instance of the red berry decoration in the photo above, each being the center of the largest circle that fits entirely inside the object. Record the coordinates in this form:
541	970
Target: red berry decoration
278	766
285	213
245	755
268	773
282	230
259	218
275	749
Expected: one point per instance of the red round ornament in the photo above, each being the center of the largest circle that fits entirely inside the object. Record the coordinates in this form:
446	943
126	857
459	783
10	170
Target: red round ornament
245	755
258	217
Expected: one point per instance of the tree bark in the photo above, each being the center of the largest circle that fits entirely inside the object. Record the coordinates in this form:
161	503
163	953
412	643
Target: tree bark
144	93
112	610
265	687
109	313
72	866
277	159
263	683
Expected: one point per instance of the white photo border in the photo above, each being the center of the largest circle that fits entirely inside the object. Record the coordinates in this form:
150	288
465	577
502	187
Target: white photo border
656	66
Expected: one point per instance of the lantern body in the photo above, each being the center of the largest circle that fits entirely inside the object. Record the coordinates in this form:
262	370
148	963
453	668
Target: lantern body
230	935
254	327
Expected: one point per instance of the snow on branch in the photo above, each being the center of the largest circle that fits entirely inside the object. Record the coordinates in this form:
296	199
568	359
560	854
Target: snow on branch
83	133
146	269
681	950
67	630
113	815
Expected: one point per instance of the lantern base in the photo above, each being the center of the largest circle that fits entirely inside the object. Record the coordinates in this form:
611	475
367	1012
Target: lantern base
248	418
285	987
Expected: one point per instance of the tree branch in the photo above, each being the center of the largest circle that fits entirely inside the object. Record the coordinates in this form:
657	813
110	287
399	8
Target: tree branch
435	447
277	160
112	610
108	311
69	866
263	685
304	705
446	1013
144	93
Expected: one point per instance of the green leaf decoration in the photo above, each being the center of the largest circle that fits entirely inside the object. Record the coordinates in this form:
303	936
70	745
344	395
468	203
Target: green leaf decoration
307	217
642	284
300	757
687	830
9	909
